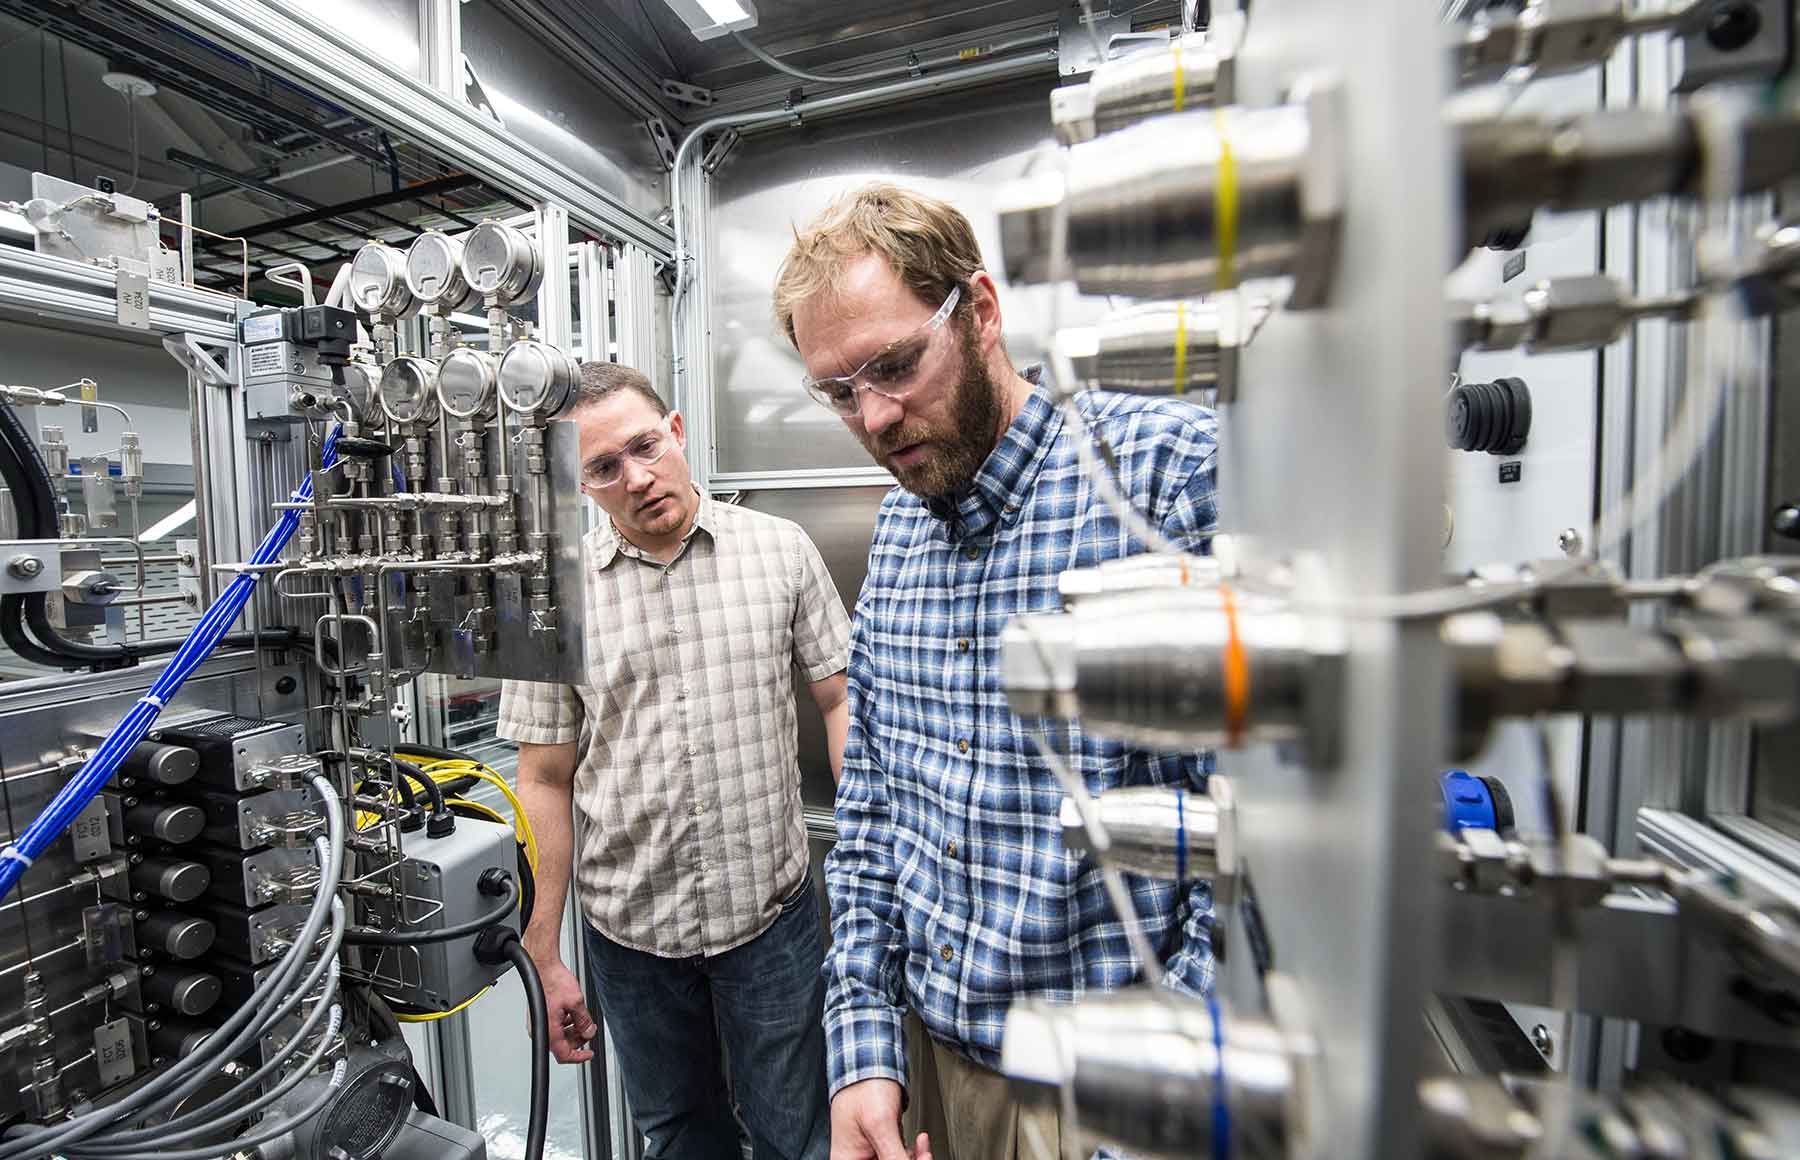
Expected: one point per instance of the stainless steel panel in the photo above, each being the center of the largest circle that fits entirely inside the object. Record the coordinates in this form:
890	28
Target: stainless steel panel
555	111
960	148
840	522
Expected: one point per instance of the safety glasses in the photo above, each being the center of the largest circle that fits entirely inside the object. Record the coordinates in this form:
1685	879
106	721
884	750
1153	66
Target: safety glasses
895	371
652	445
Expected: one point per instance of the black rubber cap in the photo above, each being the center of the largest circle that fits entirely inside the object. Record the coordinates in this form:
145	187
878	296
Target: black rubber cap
440	824
1493	417
1503	807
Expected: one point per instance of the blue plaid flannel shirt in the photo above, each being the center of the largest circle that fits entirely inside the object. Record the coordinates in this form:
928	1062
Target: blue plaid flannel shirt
950	888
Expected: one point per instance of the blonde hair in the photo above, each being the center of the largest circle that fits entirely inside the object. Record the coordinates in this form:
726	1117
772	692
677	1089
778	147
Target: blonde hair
927	242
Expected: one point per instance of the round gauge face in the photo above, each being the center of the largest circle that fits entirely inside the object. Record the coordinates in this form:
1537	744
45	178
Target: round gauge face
378	280
466	383
360	388
535	377
433	270
409	390
498	259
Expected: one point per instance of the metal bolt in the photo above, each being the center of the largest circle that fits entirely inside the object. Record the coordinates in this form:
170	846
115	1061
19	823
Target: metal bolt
1543	1041
25	566
1732	24
1570	542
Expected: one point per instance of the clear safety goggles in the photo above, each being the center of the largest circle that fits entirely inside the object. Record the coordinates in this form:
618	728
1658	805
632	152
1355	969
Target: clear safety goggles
894	371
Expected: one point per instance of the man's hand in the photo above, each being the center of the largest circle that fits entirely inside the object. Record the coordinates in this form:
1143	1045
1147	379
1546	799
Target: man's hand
571	1027
865	1124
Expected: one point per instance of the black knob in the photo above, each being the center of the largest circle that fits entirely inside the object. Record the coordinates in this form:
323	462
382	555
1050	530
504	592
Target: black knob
171	878
183	992
1731	24
1493	417
1504	819
163	764
166	822
1786	521
176	1039
180	936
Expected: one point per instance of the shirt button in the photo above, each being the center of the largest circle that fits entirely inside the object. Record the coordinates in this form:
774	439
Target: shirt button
962	745
950	849
972	552
692	749
946	953
962	644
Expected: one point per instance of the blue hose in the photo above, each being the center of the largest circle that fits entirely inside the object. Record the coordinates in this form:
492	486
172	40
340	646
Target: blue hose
74	796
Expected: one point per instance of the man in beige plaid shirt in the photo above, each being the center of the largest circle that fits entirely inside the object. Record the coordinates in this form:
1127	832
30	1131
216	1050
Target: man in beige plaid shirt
680	752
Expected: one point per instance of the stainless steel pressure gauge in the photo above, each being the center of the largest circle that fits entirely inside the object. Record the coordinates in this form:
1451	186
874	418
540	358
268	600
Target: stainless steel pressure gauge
409	390
465	384
537	379
434	272
361	384
378	281
501	261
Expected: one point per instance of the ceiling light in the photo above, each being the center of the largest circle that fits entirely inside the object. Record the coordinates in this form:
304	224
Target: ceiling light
707	19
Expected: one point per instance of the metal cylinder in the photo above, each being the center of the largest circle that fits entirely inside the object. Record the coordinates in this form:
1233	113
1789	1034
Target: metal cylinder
1193	72
165	821
501	262
56	451
378	283
175	879
409	390
1157	1073
1160	831
465	383
180	936
1175	669
1187	204
362	390
1167	348
174	1039
131	463
434	273
163	764
537	379
187	993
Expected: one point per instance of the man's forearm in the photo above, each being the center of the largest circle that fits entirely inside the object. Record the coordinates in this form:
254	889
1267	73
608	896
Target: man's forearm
837	726
550	806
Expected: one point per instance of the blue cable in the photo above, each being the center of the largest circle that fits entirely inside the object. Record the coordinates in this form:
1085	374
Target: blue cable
1221	1114
81	789
1180	836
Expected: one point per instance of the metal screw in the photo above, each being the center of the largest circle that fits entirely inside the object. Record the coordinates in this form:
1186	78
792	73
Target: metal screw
1570	542
25	566
1543	1041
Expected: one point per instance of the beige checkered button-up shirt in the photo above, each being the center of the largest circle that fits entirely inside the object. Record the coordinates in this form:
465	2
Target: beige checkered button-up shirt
689	778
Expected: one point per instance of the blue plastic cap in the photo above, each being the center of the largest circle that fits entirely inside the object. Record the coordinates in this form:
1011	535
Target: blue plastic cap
1468	802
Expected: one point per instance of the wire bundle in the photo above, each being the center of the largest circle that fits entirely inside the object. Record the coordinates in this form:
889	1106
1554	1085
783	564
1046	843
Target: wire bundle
93	1135
74	796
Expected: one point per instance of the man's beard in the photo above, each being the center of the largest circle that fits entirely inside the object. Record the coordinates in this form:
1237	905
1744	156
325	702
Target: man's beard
957	451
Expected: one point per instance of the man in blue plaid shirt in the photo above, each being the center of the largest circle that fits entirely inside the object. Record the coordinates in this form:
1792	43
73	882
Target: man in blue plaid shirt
950	888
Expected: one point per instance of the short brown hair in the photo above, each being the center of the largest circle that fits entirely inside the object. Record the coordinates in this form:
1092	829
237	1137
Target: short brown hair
927	242
602	380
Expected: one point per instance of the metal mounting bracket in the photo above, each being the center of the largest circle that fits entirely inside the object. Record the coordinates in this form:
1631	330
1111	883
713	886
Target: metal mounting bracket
720	148
193	357
685	93
663	143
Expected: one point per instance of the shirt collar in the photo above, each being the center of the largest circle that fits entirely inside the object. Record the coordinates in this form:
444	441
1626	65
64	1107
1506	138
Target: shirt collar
609	544
999	489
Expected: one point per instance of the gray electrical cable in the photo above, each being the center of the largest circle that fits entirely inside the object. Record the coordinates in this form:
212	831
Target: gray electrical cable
225	1122
776	63
25	1142
264	1132
327	963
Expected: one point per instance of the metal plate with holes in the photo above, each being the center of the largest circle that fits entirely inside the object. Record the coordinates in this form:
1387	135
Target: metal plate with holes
252	821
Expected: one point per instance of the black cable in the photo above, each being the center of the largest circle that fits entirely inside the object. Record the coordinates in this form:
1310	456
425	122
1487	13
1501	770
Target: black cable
540	1046
363	936
12	632
406	771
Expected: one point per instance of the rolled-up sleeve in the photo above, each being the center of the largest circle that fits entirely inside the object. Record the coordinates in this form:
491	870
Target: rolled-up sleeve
821	627
538	713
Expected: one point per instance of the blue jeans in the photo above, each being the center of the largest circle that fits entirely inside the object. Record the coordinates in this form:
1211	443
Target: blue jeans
762	1003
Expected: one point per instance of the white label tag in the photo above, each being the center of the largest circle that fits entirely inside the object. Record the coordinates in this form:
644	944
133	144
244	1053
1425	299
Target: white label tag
112	1052
134	300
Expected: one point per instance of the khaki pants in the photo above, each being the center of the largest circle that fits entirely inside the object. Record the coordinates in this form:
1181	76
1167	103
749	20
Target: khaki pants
983	1120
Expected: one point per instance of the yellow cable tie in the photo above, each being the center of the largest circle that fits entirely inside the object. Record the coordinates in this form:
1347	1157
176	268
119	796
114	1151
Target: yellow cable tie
1225	211
1181	348
1180	77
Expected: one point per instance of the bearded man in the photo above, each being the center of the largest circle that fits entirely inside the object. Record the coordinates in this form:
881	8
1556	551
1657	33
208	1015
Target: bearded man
950	888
